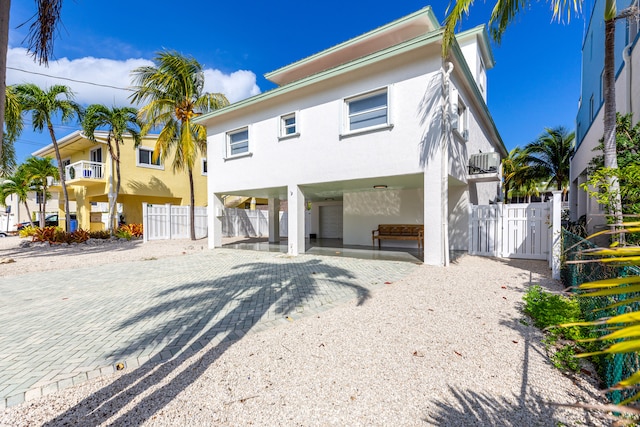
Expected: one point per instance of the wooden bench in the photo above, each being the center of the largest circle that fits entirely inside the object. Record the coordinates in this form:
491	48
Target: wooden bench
398	232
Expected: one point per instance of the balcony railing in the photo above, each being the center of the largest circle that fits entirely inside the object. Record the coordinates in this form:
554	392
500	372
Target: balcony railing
484	163
84	170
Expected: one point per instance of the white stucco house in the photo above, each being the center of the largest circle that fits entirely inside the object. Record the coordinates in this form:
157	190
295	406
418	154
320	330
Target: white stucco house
376	130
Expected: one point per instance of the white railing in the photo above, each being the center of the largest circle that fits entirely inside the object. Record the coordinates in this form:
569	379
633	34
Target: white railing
163	222
84	170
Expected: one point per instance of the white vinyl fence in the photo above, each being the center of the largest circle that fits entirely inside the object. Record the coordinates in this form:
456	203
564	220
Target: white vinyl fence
162	222
250	223
521	230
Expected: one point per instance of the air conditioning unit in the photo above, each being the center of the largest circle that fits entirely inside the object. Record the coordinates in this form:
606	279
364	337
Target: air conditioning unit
484	163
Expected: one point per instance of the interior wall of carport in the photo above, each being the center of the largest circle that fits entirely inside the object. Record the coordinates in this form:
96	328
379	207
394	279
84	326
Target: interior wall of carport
364	211
458	215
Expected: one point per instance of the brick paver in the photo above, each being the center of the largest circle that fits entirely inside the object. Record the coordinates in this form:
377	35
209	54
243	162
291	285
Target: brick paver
61	328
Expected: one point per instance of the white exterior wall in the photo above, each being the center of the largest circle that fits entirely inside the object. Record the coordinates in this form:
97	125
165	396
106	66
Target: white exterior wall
363	211
319	154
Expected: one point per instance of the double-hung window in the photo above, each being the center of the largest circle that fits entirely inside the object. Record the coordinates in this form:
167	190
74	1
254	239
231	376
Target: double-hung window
368	110
145	158
288	125
238	142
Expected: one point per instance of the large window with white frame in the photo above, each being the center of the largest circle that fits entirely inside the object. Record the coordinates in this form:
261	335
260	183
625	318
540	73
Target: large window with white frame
238	142
289	125
145	158
367	110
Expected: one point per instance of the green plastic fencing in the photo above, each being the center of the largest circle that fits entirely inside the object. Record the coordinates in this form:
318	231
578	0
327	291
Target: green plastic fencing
619	366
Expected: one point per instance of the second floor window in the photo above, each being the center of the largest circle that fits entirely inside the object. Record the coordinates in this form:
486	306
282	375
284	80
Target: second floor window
238	142
288	125
145	158
367	110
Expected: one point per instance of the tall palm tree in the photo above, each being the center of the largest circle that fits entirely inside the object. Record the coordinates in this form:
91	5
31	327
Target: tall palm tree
14	124
43	106
19	184
550	154
38	169
503	14
41	35
118	121
173	90
516	172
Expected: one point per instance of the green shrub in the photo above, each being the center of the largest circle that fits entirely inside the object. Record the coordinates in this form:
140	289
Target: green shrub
100	234
28	231
123	233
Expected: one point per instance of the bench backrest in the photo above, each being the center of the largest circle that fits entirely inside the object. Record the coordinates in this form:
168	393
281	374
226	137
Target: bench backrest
401	229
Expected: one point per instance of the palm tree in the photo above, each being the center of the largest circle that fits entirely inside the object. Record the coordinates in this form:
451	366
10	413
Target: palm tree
173	90
550	154
118	121
505	11
14	124
38	169
41	35
20	185
515	172
43	105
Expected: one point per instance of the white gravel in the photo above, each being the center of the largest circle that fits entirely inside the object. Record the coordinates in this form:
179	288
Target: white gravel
444	346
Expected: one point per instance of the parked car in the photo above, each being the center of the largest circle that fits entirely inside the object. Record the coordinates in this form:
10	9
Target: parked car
49	221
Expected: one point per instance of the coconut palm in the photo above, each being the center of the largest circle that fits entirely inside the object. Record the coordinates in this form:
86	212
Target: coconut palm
173	90
550	154
41	35
516	172
43	106
38	169
14	124
117	121
503	14
18	184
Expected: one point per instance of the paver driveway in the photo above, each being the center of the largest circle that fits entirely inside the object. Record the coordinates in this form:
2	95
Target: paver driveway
63	327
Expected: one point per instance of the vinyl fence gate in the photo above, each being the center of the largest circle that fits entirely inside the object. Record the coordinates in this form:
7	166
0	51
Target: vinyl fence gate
163	222
520	230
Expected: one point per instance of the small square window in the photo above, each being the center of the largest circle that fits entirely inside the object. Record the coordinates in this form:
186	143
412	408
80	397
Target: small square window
204	166
238	142
145	158
288	125
367	110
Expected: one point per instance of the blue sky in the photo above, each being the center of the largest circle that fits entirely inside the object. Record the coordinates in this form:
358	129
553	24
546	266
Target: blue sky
535	83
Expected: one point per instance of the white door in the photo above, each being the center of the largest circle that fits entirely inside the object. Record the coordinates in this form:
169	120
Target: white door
331	222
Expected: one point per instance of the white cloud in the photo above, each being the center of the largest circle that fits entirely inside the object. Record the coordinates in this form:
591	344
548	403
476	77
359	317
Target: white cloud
114	74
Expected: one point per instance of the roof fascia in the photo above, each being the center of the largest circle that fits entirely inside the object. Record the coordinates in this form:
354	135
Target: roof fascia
426	11
409	45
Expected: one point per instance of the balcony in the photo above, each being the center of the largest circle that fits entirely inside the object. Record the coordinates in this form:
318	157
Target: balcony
84	173
484	167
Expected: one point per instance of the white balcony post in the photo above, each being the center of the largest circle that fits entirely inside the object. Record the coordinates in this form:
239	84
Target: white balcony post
556	234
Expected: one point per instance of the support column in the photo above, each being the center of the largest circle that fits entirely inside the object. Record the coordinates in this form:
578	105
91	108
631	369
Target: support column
296	220
214	220
274	220
433	212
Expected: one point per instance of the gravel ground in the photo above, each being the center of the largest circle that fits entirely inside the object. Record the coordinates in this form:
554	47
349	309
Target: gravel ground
440	347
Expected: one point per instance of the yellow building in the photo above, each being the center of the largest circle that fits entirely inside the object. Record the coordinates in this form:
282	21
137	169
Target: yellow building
89	173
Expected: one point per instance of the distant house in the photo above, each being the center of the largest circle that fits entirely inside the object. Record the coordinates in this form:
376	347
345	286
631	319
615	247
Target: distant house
355	135
88	172
590	118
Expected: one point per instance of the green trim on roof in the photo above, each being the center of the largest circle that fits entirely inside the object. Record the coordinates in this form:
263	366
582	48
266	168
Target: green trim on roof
427	11
481	30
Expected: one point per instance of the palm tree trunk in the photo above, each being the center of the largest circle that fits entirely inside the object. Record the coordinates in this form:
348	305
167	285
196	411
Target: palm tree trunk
67	217
5	7
26	206
117	160
44	203
192	215
610	152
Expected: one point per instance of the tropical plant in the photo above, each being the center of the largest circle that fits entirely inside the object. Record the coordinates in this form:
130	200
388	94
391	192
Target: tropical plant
43	106
118	121
503	14
173	90
550	154
38	169
41	36
518	176
18	184
14	123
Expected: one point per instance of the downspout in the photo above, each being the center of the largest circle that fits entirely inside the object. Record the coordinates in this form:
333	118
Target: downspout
444	179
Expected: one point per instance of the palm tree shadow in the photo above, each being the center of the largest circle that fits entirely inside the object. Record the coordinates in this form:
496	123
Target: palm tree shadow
218	312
